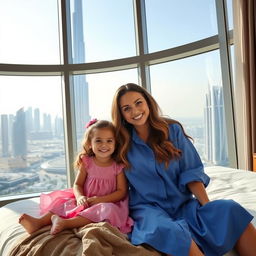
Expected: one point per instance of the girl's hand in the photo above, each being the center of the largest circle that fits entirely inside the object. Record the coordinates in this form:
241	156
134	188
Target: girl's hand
93	200
82	200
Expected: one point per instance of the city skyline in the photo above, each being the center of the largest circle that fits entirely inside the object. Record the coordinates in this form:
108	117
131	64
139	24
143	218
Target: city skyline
32	140
45	48
213	122
26	125
26	163
32	124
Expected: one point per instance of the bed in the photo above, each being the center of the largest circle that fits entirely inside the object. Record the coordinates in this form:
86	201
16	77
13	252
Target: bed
101	238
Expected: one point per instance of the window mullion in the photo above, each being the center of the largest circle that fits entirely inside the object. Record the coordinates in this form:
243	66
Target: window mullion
141	42
67	86
227	81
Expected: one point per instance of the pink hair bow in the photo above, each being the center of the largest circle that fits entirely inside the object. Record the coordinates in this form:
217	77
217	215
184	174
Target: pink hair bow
93	121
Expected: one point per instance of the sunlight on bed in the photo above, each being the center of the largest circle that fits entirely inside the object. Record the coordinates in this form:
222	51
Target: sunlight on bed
226	183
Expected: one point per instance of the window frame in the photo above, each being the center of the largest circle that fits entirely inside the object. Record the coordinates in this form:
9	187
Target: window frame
142	61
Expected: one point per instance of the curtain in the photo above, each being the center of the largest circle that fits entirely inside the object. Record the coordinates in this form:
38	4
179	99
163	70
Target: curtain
244	12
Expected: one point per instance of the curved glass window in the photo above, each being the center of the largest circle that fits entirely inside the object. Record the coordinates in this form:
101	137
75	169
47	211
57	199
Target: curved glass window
230	14
100	36
29	32
190	90
32	157
93	95
174	23
104	30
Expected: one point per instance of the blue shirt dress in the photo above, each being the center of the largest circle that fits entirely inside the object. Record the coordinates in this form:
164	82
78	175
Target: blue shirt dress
165	213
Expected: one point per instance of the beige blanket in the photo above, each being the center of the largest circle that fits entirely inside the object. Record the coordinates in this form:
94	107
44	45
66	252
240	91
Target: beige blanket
97	239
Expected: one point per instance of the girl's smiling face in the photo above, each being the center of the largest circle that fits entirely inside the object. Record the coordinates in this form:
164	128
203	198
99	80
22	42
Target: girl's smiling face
134	108
103	143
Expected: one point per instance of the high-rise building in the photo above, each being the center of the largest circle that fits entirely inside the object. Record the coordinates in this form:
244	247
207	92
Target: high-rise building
58	127
37	120
4	135
47	122
215	129
81	94
29	120
11	119
19	138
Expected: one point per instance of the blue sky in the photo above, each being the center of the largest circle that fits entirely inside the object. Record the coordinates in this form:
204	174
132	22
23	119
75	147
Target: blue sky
109	34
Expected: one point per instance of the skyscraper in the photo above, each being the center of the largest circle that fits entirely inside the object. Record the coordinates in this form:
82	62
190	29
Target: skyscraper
58	127
215	128
19	138
11	119
29	120
5	135
81	94
47	122
37	120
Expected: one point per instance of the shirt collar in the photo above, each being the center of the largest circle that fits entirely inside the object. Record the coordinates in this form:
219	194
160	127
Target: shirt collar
136	138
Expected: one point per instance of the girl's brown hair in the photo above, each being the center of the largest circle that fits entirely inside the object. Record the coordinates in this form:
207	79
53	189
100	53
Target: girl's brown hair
88	135
158	138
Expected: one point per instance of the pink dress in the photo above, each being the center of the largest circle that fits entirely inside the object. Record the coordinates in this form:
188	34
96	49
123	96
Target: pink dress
100	181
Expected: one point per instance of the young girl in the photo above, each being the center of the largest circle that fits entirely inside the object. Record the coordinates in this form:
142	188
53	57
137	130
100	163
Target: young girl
99	192
168	201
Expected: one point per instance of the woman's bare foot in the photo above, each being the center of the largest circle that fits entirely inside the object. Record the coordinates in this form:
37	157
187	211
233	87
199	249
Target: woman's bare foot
57	224
30	223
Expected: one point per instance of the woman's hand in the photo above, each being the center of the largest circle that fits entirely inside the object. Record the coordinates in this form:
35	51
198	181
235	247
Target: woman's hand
198	189
82	200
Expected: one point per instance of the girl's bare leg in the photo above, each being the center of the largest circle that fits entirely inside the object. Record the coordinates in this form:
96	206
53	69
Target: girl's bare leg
59	224
32	224
246	245
194	250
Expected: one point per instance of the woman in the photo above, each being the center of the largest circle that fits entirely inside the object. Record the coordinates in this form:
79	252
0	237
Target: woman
168	201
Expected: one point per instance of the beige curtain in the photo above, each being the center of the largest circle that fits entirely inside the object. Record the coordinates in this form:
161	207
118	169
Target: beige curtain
245	91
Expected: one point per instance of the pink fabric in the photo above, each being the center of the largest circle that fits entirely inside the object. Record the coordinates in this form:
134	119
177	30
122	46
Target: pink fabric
100	181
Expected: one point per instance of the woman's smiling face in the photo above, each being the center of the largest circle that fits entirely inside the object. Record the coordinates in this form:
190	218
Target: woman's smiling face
134	108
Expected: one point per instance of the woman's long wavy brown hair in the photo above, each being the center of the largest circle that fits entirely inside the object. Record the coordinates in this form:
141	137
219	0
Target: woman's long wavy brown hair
158	138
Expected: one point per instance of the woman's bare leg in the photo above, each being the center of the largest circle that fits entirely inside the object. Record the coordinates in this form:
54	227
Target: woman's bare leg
194	250
32	224
59	224
246	245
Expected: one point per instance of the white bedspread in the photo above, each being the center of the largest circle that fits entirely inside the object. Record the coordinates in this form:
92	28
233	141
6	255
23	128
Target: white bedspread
226	183
229	183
